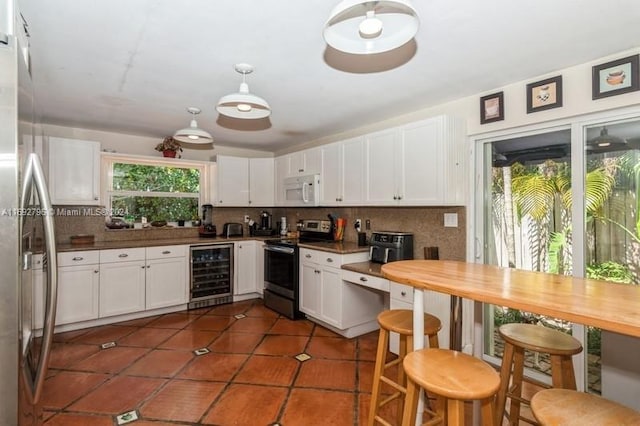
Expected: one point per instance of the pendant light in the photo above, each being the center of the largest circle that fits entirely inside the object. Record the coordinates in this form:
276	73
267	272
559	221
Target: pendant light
365	27
606	142
243	104
193	134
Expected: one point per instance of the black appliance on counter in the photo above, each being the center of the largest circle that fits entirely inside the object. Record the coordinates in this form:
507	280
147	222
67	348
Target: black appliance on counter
281	274
211	275
207	228
265	228
387	246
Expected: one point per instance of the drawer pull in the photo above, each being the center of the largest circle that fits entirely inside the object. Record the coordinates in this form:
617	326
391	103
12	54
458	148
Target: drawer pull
78	258
166	252
329	260
364	279
143	267
308	256
403	293
123	255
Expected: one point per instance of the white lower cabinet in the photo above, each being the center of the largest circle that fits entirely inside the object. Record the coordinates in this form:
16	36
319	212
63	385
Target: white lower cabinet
78	287
346	308
122	281
245	268
166	280
106	283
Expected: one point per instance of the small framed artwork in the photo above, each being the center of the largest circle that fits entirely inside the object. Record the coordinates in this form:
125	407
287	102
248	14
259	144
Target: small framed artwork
492	108
544	94
615	77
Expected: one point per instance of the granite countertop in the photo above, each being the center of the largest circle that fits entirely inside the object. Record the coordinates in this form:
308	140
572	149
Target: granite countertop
106	245
335	247
367	268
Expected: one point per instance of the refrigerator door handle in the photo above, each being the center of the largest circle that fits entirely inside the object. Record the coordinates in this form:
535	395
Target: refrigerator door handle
35	176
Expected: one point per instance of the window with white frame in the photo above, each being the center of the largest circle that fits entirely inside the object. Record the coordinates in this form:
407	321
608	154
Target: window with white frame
154	189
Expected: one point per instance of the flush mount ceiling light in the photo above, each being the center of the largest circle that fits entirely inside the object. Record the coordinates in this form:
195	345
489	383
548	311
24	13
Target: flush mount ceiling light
365	27
243	104
606	142
193	134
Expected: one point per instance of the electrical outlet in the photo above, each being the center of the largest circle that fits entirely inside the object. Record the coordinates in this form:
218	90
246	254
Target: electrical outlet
451	220
367	225
246	218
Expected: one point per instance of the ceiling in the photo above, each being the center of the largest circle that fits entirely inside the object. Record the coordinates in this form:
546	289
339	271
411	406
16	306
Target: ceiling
135	66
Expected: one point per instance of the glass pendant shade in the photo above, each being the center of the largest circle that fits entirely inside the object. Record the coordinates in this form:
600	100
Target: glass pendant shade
193	134
367	27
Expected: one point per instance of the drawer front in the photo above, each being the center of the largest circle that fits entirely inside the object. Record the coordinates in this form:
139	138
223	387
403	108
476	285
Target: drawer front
331	260
121	255
401	292
307	255
166	251
366	280
72	258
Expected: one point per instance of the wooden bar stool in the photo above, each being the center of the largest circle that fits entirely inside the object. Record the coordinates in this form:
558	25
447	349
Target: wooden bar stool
555	407
454	377
518	337
399	321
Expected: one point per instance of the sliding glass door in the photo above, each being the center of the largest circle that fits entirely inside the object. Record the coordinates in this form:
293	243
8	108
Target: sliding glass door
561	200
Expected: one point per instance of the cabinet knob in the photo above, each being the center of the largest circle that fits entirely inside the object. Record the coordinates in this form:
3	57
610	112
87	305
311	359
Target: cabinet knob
249	201
403	293
239	247
395	197
220	201
123	255
95	198
364	279
300	170
148	266
337	199
166	252
399	197
308	256
78	258
143	266
329	260
95	271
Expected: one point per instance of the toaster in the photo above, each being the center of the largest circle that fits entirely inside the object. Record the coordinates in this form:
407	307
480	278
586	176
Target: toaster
232	230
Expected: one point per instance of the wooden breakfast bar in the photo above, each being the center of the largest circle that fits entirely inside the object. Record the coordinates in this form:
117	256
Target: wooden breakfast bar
609	306
606	305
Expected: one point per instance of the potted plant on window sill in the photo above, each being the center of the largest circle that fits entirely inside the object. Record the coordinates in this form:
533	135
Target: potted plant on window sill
169	147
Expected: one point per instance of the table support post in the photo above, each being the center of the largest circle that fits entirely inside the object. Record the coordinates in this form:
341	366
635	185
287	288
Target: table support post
455	324
418	340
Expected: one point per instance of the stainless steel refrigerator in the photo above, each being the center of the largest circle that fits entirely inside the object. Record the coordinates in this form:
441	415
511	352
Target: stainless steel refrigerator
26	228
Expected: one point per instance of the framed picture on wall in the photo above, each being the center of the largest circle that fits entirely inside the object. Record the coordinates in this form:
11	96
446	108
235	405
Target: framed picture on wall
544	94
615	77
492	108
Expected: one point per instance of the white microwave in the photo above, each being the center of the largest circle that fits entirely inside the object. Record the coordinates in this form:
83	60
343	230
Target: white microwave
302	190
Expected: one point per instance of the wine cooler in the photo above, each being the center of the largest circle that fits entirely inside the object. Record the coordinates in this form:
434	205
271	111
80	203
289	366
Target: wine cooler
211	275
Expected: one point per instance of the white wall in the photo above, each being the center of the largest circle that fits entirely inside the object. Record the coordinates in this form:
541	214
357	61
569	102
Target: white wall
577	100
142	145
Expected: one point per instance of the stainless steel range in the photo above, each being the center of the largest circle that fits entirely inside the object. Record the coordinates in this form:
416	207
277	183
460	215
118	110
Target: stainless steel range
281	273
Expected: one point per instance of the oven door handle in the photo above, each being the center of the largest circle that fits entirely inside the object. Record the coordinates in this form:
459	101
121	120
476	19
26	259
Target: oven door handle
287	250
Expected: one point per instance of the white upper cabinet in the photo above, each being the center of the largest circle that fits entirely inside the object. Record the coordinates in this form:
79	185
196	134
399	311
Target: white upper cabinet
420	163
381	187
343	173
74	171
261	182
281	172
232	181
244	181
302	163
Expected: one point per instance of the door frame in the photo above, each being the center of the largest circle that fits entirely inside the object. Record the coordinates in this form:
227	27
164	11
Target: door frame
475	220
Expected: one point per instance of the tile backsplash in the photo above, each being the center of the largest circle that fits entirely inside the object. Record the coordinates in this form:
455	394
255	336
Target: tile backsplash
426	223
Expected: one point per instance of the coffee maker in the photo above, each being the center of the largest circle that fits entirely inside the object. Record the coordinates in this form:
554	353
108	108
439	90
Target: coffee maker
265	228
207	229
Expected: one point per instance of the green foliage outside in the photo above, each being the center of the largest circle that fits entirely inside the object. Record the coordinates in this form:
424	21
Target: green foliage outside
150	182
